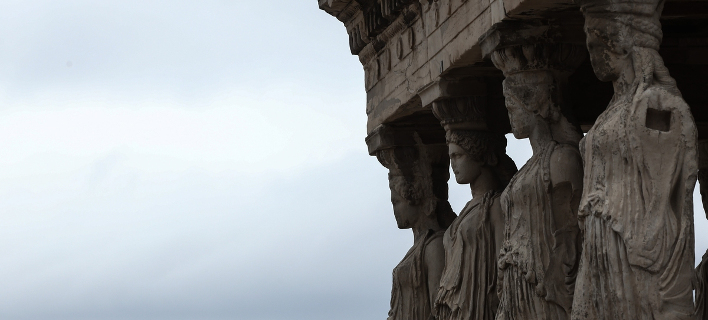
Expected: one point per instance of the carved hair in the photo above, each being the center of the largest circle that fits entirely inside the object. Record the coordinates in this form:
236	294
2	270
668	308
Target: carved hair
488	148
405	189
419	174
413	193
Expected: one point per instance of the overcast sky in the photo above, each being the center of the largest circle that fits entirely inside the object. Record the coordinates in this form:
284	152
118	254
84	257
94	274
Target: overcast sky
191	160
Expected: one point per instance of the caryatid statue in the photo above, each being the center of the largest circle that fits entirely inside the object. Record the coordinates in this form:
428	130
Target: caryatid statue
418	177
540	254
469	281
639	174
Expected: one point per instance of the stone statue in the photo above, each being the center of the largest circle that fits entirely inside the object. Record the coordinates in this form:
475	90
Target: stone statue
540	253
702	269
468	284
640	171
419	198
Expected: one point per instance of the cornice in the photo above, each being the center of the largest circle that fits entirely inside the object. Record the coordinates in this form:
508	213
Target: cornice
371	23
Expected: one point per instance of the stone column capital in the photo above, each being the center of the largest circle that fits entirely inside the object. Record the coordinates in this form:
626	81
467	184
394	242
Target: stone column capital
462	113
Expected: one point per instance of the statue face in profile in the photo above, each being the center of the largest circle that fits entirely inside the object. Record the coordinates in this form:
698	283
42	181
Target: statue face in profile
605	41
521	97
466	169
406	213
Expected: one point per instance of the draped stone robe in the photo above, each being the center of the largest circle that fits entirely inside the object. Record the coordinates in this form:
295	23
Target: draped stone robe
537	272
637	210
410	297
468	284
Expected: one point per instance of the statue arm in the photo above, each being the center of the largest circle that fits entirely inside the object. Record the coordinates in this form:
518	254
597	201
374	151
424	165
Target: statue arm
567	170
497	220
434	262
566	188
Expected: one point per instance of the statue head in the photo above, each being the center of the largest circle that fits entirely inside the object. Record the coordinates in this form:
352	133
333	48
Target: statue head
471	152
418	182
534	87
626	34
409	204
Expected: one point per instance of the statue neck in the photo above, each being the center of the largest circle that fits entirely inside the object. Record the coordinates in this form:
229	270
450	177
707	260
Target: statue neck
540	136
624	85
423	226
484	183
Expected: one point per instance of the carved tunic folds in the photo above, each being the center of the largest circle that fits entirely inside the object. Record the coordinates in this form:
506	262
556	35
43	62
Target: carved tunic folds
410	297
468	283
534	285
637	209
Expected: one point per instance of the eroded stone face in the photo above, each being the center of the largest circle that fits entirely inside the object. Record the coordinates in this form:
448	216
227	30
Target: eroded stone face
406	211
526	95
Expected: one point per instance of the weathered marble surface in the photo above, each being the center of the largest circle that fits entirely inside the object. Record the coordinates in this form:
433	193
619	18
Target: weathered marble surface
640	171
539	257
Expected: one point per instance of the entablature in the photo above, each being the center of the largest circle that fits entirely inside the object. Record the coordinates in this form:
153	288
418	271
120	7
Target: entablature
407	47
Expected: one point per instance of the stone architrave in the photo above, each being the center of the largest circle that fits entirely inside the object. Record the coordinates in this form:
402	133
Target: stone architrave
418	177
640	171
540	254
702	269
468	285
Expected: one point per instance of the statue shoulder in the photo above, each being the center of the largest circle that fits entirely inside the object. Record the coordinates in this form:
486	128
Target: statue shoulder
662	109
566	165
662	98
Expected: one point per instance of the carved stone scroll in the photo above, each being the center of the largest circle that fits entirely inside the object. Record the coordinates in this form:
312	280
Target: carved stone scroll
640	171
473	240
540	253
418	175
